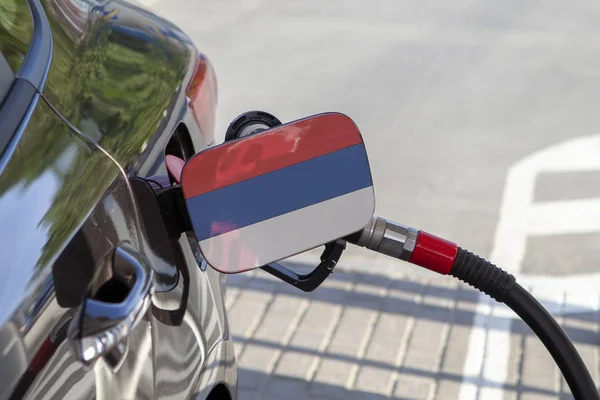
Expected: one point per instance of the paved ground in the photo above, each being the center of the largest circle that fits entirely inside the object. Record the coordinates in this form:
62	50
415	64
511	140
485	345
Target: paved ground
375	337
471	111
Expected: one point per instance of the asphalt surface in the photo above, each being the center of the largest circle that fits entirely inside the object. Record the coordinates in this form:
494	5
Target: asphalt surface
458	103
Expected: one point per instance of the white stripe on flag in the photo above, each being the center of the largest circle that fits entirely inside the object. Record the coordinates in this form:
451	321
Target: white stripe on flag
280	237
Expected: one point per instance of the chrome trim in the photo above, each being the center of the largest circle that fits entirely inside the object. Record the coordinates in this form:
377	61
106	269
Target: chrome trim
388	238
104	327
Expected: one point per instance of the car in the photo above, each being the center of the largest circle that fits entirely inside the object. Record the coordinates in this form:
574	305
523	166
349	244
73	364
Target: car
104	293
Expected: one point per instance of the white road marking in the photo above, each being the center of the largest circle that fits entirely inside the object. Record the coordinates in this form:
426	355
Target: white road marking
498	337
476	351
564	217
519	218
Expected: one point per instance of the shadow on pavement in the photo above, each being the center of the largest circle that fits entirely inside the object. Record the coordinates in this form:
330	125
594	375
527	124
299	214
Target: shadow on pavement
582	330
283	387
431	312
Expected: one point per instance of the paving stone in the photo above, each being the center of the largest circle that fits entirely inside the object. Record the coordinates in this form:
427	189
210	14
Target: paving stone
389	334
497	393
414	387
425	345
401	302
276	322
285	388
390	329
447	390
350	332
508	395
384	353
331	379
374	380
294	364
360	395
581	318
256	360
249	306
334	291
441	293
309	340
318	317
354	333
456	349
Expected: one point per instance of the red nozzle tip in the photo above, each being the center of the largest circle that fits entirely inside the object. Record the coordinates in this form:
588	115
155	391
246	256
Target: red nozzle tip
434	253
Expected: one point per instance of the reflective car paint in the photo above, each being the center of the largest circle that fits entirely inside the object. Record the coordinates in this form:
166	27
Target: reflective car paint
16	31
117	78
45	198
119	75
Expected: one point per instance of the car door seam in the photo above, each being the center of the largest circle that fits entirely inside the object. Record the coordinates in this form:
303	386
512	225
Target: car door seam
97	146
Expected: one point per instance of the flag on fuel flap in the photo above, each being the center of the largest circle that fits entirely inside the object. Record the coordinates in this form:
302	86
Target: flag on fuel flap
265	197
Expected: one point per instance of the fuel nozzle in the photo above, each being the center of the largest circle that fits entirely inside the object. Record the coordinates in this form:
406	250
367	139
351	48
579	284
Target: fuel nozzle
408	244
389	238
433	253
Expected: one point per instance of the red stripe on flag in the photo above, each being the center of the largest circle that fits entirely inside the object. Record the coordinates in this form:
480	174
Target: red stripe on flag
278	148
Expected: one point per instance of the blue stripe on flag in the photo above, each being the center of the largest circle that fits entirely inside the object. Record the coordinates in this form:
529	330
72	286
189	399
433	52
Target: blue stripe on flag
280	192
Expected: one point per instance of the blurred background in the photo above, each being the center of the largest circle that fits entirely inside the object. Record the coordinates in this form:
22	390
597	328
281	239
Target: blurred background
481	121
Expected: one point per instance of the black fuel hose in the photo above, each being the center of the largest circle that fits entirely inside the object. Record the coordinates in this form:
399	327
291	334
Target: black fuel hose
502	286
